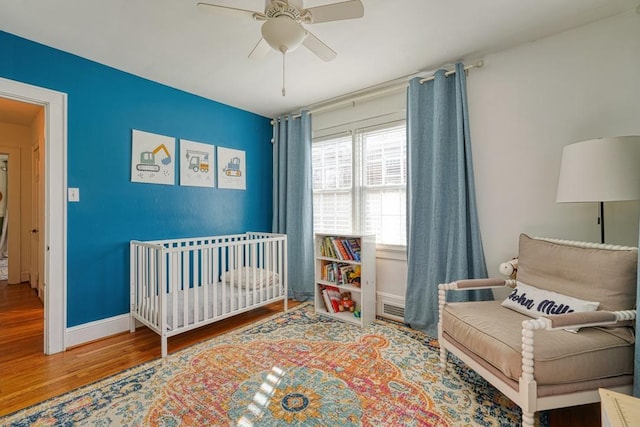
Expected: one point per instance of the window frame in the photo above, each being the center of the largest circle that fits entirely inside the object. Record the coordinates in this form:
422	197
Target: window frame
356	130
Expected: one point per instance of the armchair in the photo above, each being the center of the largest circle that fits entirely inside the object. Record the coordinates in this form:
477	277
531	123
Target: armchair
537	359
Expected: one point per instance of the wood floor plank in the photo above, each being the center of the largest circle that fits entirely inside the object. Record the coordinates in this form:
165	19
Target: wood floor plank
27	376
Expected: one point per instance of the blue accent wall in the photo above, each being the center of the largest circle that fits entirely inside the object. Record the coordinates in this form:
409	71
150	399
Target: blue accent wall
104	105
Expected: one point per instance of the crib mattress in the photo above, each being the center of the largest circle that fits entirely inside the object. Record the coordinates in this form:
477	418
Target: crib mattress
213	300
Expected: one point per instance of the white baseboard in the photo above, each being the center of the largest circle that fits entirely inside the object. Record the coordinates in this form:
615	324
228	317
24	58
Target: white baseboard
92	331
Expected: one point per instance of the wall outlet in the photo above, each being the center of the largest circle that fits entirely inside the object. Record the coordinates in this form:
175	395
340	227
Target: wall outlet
74	194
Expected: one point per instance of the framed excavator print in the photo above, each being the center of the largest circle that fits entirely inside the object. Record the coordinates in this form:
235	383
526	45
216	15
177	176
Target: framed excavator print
197	164
152	158
232	169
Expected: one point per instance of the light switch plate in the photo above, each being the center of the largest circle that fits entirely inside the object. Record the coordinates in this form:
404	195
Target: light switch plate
74	194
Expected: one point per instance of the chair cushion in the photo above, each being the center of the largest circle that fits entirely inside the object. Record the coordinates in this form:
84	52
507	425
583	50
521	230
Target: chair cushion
593	274
494	333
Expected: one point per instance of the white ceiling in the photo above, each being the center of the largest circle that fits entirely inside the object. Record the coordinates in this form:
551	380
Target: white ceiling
175	43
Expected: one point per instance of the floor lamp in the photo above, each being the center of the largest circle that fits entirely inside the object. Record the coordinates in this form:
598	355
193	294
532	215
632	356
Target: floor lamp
600	170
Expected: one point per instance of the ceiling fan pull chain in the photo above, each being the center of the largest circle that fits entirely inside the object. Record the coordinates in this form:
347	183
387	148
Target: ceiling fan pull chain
284	91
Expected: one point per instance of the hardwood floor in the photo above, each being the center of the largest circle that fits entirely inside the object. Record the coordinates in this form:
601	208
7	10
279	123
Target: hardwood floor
27	376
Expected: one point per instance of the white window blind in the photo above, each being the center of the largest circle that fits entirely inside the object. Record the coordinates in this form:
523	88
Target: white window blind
332	185
384	182
359	183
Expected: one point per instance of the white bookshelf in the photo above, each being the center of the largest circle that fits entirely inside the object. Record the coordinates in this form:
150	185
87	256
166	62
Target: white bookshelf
363	295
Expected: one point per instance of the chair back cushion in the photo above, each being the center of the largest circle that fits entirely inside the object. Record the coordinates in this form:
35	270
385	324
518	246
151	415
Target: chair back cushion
601	273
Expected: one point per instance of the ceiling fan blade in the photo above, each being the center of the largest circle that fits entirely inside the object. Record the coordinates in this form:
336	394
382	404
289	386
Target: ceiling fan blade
260	50
320	49
215	8
336	11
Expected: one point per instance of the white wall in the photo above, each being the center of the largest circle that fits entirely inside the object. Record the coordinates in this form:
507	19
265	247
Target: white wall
525	104
530	101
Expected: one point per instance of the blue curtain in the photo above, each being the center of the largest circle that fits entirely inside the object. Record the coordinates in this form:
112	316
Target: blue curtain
443	235
293	199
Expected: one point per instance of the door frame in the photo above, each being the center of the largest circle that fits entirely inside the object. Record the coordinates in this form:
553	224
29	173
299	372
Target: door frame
55	208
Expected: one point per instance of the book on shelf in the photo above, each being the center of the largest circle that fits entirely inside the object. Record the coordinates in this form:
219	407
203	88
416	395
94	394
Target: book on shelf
331	298
326	300
341	273
349	249
340	248
345	271
326	248
355	247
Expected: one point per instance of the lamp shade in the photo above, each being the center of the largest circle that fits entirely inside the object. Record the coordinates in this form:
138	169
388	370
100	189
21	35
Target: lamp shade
600	170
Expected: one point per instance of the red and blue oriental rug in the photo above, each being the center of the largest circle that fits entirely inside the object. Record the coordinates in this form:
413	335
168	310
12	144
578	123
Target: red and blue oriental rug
294	369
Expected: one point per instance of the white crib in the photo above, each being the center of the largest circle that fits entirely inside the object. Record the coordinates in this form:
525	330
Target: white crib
182	284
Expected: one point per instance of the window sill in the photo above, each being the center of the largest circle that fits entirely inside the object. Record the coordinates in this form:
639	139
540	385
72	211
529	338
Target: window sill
394	252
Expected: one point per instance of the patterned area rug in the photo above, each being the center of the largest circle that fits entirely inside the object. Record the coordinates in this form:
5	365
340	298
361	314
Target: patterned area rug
295	369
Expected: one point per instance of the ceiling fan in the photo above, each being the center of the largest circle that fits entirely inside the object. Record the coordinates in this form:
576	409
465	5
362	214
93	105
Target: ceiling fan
282	29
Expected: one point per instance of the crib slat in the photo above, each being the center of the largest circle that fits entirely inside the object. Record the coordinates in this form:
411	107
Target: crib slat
197	283
264	290
155	285
277	265
149	296
205	280
174	287
223	265
270	262
257	273
185	285
140	301
215	276
232	289
244	289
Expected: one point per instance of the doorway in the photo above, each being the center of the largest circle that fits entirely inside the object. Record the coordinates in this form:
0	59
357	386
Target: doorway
51	228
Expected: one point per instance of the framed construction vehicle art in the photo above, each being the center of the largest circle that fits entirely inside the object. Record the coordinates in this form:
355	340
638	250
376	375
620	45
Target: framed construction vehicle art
152	158
232	169
197	161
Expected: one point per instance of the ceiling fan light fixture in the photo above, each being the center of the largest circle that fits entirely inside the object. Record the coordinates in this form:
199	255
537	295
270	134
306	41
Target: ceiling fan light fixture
283	33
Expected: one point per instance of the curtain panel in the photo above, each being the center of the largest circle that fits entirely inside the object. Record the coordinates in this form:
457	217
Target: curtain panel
293	199
443	235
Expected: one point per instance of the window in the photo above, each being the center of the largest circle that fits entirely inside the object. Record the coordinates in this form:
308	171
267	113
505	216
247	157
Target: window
359	183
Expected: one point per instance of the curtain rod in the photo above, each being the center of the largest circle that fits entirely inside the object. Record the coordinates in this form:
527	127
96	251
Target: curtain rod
382	91
478	64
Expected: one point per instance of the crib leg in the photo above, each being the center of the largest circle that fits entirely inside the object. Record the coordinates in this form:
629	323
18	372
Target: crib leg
163	345
286	301
132	323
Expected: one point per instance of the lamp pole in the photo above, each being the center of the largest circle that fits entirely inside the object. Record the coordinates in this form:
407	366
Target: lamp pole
601	221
